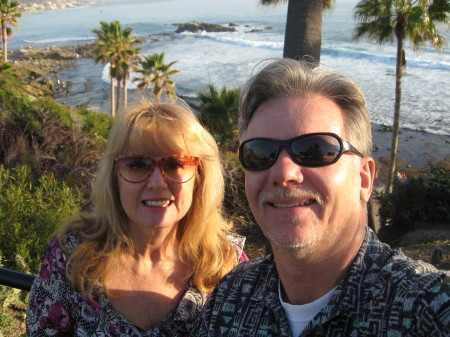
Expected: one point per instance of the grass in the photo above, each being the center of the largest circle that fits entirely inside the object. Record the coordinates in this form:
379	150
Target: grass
13	304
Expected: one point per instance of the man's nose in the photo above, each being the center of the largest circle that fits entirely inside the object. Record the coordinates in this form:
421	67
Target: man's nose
285	171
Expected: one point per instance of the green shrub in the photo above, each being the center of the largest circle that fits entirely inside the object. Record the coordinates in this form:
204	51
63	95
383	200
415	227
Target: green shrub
422	197
49	107
30	212
218	113
235	202
96	124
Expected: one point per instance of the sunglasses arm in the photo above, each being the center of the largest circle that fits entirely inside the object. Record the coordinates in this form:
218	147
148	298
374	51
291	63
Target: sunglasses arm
347	147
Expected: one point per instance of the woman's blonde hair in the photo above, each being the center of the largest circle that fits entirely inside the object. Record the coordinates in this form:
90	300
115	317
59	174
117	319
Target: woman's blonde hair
201	233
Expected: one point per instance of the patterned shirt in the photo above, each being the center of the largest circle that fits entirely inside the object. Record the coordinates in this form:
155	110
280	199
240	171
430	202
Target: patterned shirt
383	293
56	309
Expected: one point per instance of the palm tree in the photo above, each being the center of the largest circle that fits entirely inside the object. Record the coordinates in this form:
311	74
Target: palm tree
413	20
116	47
103	53
303	36
127	59
157	74
218	112
9	11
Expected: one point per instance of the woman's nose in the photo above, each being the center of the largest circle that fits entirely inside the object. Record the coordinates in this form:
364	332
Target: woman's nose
156	179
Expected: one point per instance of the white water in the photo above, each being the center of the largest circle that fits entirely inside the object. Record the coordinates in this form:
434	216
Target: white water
227	59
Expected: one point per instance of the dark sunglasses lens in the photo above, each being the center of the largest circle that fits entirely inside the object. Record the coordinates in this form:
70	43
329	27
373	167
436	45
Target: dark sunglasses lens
317	150
258	154
179	169
135	169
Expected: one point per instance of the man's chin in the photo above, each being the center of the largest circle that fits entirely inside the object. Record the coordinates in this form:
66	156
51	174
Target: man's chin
292	247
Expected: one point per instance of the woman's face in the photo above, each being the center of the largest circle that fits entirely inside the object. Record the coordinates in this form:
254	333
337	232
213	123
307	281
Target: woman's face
156	203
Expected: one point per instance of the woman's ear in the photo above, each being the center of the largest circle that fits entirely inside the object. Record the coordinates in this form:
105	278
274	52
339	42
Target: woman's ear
367	174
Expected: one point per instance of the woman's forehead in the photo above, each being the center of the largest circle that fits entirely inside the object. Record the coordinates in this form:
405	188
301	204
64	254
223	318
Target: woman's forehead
156	143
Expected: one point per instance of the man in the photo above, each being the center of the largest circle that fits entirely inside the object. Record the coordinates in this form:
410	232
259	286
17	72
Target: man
305	145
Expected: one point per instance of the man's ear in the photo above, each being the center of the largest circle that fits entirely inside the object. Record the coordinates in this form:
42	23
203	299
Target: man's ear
367	174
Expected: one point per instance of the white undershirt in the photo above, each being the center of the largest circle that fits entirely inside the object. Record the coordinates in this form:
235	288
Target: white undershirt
299	316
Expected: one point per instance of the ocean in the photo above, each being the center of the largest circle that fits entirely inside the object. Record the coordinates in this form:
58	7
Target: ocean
228	59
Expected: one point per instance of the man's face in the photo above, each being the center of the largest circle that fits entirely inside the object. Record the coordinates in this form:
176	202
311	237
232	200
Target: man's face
306	210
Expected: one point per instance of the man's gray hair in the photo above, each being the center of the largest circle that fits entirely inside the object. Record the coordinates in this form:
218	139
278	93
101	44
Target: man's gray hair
287	77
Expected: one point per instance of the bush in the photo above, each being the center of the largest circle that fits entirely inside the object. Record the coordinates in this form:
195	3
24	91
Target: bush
30	212
40	134
235	200
422	197
219	114
49	107
96	124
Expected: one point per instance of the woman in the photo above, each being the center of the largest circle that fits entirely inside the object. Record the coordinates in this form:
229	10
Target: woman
143	261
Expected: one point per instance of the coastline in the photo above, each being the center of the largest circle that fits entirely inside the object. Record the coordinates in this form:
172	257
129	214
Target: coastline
416	149
46	6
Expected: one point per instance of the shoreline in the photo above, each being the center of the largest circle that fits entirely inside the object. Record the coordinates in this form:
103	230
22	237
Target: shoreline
416	149
43	6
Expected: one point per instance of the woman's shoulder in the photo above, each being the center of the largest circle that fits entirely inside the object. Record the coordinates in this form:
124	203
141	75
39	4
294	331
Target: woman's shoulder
238	242
70	242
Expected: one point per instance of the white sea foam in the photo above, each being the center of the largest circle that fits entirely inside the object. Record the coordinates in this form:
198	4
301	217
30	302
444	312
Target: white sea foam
227	59
60	41
238	40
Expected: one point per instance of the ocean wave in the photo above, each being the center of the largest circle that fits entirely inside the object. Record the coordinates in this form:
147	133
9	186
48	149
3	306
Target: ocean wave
131	84
431	62
238	41
60	40
386	59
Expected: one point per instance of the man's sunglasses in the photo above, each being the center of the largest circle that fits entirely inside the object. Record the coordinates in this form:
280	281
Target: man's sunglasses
136	168
311	150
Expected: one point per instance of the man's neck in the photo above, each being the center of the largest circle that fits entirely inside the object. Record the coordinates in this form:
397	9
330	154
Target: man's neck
306	279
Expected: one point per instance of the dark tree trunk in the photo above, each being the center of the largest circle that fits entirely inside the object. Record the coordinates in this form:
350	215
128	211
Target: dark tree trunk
303	37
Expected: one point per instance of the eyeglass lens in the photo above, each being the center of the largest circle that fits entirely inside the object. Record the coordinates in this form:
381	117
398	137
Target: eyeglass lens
176	169
309	150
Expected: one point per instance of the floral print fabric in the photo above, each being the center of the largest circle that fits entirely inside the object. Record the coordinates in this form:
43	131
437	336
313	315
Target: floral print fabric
56	309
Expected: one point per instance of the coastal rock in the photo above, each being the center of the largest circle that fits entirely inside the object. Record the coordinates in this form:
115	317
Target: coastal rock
34	78
196	26
51	53
37	68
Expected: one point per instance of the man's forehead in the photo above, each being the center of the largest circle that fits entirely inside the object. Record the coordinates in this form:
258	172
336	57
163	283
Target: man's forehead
292	116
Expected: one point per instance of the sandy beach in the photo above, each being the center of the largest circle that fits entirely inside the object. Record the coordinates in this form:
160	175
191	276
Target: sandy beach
416	150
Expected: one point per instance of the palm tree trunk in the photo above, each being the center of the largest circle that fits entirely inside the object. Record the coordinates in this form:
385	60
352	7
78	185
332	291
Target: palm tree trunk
113	100
119	82
396	126
157	92
303	37
125	94
5	43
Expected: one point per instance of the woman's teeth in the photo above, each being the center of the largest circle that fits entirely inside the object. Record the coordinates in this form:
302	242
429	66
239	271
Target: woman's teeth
159	203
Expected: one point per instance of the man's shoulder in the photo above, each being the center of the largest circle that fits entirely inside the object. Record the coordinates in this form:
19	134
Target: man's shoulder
414	275
248	274
258	265
388	273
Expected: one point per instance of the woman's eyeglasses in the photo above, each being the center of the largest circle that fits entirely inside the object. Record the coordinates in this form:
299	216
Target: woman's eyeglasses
311	150
176	169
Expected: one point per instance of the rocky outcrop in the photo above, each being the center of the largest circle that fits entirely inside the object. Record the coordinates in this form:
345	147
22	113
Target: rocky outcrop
36	68
196	27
